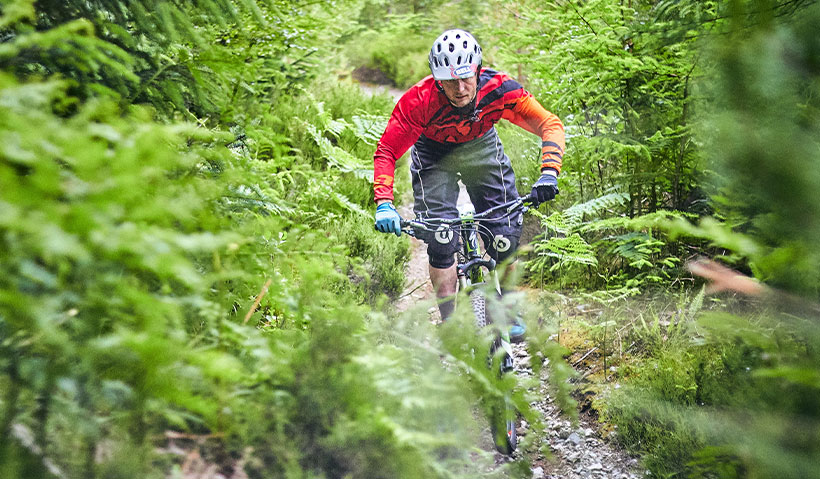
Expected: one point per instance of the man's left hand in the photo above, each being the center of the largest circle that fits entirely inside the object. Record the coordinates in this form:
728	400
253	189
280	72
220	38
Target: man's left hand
545	188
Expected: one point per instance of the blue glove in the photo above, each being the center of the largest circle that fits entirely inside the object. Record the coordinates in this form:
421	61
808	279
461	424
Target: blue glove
545	188
387	219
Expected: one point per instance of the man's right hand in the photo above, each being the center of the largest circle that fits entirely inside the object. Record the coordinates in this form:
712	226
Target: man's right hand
388	219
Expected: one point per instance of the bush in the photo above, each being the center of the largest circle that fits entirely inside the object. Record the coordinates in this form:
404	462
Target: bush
160	291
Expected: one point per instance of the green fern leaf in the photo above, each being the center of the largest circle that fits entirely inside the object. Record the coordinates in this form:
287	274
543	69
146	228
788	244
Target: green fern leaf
567	250
593	208
636	248
337	127
369	128
339	158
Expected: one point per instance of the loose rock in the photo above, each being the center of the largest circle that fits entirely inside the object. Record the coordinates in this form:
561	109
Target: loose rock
575	439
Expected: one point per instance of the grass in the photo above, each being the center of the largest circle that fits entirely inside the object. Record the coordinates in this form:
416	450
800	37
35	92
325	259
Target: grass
656	375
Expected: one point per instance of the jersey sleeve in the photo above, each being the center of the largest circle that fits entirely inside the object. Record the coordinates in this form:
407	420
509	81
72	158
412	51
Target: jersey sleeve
531	116
403	129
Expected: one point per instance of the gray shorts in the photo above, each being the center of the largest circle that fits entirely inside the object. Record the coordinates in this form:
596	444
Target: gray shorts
488	177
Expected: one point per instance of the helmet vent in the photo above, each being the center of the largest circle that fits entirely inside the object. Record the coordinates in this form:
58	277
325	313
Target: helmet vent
446	61
458	61
445	38
452	48
438	47
470	58
458	35
465	44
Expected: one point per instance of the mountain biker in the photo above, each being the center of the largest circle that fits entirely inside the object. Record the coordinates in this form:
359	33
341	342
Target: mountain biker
448	118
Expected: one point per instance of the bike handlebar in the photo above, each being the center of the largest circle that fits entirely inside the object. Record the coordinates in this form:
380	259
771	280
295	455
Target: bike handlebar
433	224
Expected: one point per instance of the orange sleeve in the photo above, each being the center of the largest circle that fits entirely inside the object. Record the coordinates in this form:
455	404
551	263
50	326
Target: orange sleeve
531	116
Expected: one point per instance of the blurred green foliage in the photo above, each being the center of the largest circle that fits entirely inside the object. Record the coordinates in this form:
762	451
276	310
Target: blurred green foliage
208	288
703	108
763	130
187	260
735	395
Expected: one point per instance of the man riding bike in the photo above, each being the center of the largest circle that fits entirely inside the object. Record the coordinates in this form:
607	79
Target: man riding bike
448	118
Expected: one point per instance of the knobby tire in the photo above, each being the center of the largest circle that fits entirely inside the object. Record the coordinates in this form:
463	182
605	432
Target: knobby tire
502	416
479	304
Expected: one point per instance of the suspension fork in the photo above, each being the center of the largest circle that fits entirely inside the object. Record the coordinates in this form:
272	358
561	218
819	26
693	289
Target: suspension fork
470	265
470	253
470	272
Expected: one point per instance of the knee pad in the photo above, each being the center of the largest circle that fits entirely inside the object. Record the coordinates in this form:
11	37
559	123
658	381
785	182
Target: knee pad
502	247
441	248
441	261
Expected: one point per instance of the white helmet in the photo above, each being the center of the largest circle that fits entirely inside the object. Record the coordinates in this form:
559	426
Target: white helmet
455	54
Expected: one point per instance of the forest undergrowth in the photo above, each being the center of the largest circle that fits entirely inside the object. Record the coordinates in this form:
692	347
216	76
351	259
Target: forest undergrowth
189	276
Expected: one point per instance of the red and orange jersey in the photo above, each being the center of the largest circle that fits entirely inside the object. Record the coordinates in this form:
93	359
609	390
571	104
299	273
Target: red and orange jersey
424	110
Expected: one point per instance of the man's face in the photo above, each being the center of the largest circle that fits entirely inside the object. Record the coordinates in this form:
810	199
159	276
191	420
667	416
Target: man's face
460	91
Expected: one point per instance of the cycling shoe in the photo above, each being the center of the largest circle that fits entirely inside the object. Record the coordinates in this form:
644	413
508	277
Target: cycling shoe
517	331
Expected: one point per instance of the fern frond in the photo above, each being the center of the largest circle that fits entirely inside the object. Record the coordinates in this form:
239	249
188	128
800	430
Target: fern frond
344	202
696	305
339	158
567	250
649	220
636	248
593	208
322	118
606	224
337	127
369	128
555	222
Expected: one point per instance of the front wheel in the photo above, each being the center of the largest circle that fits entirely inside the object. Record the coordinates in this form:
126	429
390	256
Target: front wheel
479	304
502	425
503	415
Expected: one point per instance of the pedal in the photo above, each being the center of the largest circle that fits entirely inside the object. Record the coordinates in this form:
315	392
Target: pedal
506	361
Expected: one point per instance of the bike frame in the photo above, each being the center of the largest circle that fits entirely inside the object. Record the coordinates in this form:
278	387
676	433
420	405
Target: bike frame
471	262
471	265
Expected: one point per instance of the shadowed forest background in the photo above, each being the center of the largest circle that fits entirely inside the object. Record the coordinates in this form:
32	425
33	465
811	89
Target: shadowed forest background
188	261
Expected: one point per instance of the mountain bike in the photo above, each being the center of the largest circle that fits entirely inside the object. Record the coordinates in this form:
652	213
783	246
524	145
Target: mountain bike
475	271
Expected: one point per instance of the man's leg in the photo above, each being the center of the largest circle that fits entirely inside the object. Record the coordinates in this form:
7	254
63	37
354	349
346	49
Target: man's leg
435	192
444	285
